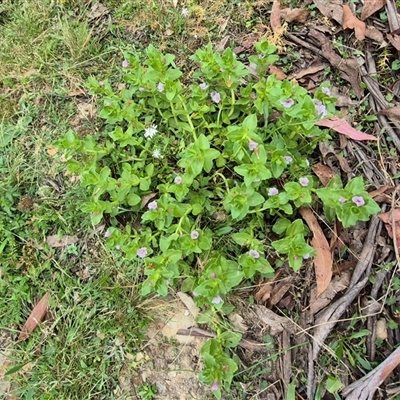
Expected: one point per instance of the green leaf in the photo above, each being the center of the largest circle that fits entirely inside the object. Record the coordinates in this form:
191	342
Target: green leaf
255	199
242	238
333	384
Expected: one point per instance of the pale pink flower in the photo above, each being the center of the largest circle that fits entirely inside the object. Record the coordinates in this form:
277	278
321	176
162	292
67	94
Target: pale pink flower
273	191
215	386
216	97
216	299
160	87
304	181
252	145
287	103
152	205
254	254
142	252
358	201
194	235
288	159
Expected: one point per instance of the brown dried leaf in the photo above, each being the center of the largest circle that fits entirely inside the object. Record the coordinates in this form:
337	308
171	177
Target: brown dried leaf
189	303
51	150
295	15
391	218
280	75
394	40
381	329
220	47
280	289
147	197
57	241
344	165
275	20
375	34
37	315
352	22
393	113
323	172
378	192
323	259
349	68
308	71
238	322
330	9
370	7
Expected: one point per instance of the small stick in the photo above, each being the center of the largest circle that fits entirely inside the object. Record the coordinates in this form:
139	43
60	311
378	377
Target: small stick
247	344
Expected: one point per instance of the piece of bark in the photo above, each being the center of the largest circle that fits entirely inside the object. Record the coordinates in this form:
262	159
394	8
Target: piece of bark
275	322
364	388
338	284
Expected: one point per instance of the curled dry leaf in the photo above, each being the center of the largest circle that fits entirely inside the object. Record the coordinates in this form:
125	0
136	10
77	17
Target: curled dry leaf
374	34
392	225
393	113
330	9
323	172
349	68
189	303
381	329
295	15
340	125
323	258
394	40
37	315
308	71
147	197
56	241
238	322
370	7
352	22
280	75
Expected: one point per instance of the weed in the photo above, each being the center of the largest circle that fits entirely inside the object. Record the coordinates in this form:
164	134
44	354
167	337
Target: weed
174	157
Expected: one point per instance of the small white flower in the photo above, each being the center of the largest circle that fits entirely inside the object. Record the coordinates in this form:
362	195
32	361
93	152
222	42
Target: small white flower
150	132
184	12
156	153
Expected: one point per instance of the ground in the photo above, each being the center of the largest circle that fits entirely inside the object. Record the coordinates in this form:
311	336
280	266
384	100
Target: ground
74	324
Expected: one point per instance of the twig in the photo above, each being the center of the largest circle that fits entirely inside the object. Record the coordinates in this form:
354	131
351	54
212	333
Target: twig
247	344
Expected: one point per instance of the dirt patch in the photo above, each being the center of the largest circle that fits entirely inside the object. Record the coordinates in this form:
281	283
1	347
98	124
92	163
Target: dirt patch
172	361
5	363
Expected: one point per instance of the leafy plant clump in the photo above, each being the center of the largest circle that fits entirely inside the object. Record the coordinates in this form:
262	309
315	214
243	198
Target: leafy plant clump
200	183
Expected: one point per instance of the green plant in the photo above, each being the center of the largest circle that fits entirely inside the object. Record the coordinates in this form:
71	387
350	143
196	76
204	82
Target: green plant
201	183
146	392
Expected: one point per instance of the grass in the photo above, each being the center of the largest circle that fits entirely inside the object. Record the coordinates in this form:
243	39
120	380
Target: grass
48	49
